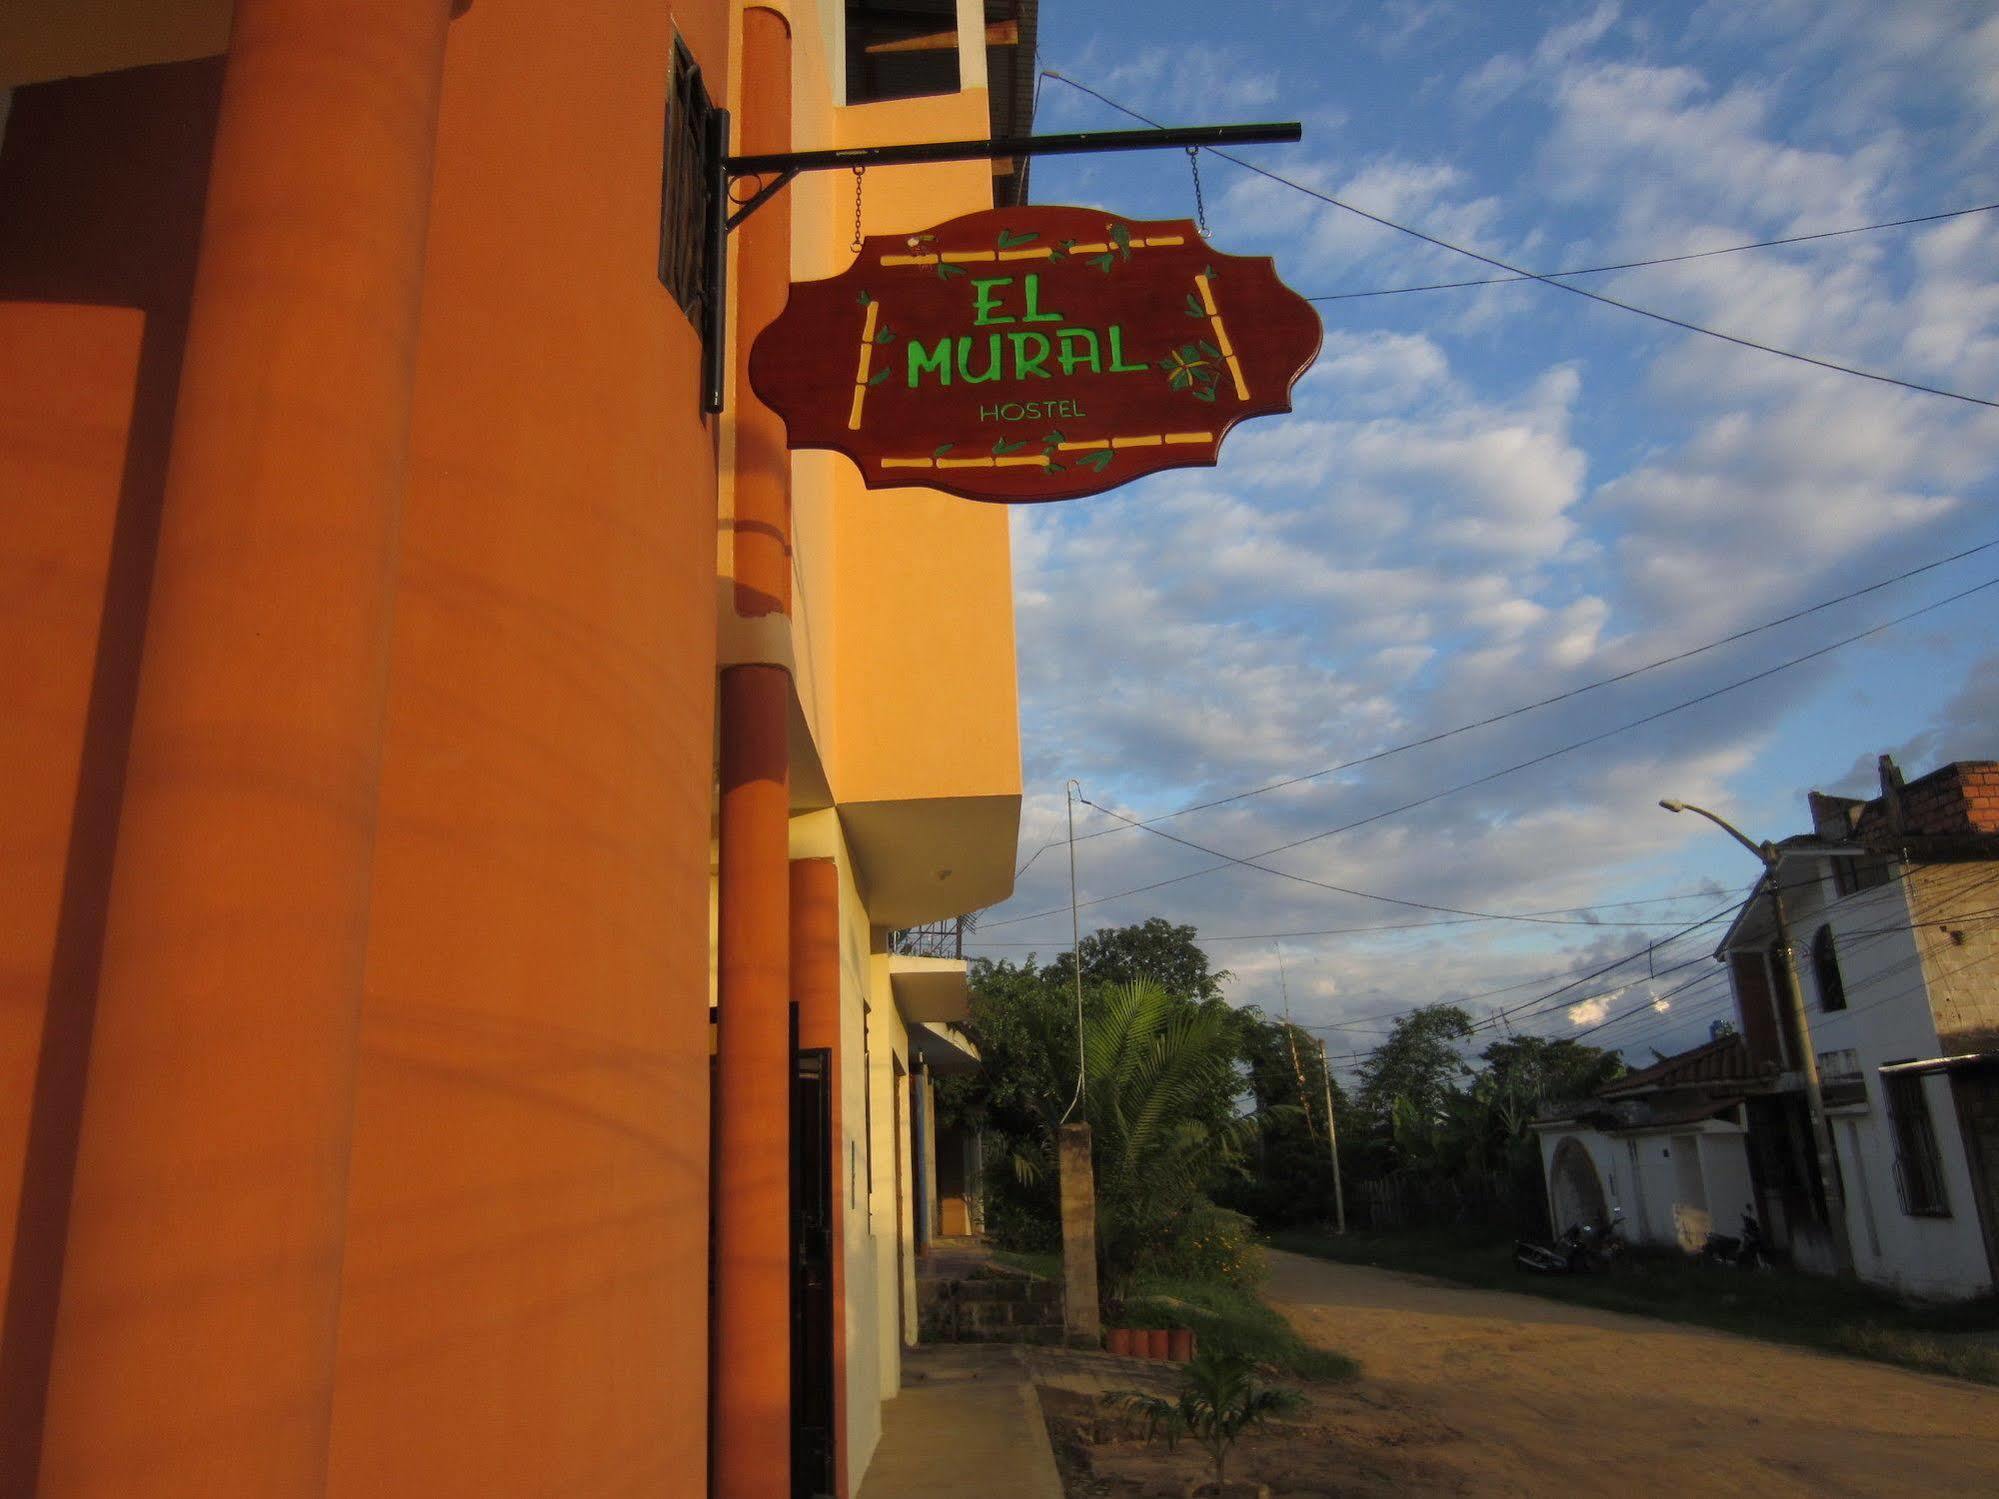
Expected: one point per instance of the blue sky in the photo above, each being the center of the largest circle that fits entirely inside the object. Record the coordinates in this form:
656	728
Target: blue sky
1489	496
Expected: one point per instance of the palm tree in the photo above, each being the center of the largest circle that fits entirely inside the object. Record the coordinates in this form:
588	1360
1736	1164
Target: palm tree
1160	1102
1219	1400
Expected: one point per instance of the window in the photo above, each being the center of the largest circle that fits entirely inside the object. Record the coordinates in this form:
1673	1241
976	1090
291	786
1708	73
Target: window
1918	1168
901	49
684	187
1841	1084
1825	971
868	1096
1853	873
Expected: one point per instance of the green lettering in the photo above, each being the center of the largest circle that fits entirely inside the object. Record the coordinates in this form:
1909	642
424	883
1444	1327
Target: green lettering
1068	357
1034	314
992	359
1025	364
937	361
1118	366
984	301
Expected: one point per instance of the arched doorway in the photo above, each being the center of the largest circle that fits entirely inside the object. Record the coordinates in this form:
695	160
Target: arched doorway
1575	1194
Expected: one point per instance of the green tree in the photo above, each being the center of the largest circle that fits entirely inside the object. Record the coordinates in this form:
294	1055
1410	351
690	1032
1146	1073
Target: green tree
1545	1069
1406	1081
1024	1020
1154	949
1290	1175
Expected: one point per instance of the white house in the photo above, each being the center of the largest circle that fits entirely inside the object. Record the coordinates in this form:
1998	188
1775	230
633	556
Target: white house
1893	911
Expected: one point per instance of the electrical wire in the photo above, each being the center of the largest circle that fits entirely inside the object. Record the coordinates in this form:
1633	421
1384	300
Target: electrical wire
1397	900
1633	265
1546	702
1527	275
1490	776
1550	1001
1424	926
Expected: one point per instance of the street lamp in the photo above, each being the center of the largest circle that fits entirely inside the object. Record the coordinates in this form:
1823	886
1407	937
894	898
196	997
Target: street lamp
1794	1006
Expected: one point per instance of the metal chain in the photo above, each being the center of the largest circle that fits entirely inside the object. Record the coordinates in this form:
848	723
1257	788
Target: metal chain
1200	207
859	172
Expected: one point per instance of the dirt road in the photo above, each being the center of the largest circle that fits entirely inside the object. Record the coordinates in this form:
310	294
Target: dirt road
1511	1394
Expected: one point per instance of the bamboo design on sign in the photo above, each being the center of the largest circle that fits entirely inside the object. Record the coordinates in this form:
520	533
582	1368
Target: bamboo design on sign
861	379
1038	252
1091	448
1205	283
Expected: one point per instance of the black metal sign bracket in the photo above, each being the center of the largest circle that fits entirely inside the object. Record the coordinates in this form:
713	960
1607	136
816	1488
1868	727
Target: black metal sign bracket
724	171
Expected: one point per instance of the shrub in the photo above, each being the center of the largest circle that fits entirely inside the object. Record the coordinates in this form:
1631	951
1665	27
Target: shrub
1211	1244
1020	1216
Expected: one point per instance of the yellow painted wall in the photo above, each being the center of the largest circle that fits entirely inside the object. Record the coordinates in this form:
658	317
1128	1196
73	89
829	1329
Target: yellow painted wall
902	625
73	37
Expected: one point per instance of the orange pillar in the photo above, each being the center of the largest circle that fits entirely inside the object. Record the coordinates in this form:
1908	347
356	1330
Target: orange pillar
815	984
195	1338
752	1329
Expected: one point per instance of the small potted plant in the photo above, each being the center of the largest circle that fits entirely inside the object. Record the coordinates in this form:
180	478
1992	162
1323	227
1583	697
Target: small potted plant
1219	1400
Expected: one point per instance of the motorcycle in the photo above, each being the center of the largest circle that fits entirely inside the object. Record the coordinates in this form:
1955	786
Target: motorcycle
1584	1249
1744	1252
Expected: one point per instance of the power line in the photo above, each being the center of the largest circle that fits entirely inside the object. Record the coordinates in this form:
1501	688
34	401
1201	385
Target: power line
1397	900
1546	702
1528	1008
1423	926
1527	275
1633	265
1865	937
1520	765
1550	1001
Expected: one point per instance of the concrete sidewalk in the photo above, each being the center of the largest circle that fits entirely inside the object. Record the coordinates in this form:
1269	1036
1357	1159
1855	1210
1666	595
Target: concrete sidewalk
967	1423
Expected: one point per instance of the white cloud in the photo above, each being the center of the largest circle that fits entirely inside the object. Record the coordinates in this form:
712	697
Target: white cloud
1476	506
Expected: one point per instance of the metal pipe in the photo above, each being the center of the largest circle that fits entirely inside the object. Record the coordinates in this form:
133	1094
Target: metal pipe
1015	145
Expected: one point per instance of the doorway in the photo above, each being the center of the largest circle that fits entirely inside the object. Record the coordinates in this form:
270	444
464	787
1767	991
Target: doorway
813	1448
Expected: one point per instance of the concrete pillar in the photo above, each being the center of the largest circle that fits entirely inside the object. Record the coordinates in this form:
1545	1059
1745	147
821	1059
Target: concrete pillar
1081	1319
753	1114
815	984
752	1395
195	1339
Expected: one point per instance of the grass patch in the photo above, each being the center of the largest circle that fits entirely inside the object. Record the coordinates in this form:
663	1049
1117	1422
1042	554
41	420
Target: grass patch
1046	1264
1779	1306
1235	1320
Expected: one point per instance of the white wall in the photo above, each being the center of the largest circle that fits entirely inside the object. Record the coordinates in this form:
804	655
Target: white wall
1644	1180
1886	970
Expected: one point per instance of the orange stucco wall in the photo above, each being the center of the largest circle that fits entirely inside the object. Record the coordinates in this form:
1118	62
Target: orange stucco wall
494	1281
529	1200
103	178
523	1233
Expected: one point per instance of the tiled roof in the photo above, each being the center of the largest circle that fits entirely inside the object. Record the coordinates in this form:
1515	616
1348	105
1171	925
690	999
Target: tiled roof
1723	1060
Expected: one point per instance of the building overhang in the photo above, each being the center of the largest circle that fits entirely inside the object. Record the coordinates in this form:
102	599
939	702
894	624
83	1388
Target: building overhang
944	1049
924	859
930	991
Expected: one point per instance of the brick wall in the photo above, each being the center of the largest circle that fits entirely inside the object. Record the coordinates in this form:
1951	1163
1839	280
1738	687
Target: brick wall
1956	911
1951	801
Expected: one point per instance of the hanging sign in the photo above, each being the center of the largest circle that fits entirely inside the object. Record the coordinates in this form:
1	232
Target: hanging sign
1040	353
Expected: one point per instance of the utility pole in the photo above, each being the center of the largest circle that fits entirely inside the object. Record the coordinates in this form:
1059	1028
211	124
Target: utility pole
1333	1140
1794	1011
1291	1042
1808	1069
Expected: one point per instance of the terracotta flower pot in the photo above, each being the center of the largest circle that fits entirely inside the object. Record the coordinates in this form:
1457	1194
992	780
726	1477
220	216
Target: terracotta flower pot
1157	1342
1180	1344
1120	1341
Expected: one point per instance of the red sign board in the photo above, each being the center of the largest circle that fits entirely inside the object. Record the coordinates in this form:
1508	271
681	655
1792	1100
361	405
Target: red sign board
1026	354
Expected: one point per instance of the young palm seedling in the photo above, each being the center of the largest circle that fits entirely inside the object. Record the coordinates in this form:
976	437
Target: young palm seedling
1219	1400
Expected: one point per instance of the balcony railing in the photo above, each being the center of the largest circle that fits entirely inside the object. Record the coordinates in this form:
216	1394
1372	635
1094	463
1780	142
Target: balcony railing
936	939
